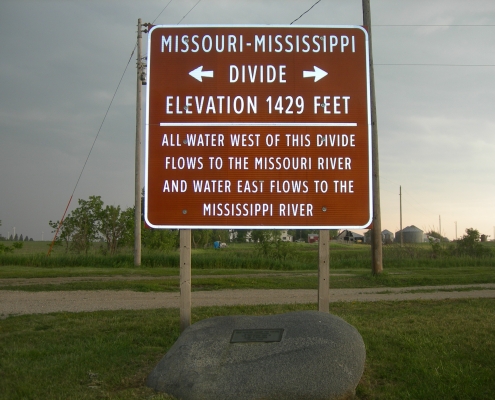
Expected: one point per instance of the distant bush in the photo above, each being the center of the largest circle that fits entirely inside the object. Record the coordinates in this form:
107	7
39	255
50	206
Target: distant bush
470	245
10	249
467	246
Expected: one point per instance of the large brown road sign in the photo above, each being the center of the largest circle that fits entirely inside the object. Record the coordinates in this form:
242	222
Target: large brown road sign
258	126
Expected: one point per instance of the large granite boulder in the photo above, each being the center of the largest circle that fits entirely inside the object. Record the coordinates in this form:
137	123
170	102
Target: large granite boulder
298	355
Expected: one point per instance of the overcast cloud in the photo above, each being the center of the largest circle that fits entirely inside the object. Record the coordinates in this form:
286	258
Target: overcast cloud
61	62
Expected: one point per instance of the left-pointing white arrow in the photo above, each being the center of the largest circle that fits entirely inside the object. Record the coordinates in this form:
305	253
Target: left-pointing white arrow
317	74
198	74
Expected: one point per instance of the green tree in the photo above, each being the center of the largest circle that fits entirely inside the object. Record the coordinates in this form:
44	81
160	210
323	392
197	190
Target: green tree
201	237
65	232
10	249
160	239
82	226
436	235
470	244
128	236
91	221
5	249
241	235
113	224
87	223
260	235
222	235
282	250
264	239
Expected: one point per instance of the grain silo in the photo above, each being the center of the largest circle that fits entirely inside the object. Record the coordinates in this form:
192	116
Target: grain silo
411	234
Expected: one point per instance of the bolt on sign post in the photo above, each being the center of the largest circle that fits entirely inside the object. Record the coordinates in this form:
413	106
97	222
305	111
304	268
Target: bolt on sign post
255	126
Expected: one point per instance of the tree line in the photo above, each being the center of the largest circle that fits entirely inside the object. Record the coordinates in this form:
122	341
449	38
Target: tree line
16	237
93	221
10	249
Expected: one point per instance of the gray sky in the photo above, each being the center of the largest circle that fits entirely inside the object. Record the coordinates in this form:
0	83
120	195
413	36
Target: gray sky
61	62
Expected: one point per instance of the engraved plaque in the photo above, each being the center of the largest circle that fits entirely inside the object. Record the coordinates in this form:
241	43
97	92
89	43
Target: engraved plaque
256	335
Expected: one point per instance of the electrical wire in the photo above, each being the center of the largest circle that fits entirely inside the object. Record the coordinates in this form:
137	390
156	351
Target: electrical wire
433	25
90	150
161	12
188	12
305	12
437	65
104	118
132	53
101	126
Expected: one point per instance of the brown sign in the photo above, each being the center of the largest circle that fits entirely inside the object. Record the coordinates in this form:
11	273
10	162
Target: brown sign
256	126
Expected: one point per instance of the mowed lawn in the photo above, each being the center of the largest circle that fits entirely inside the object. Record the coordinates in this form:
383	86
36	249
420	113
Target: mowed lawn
415	349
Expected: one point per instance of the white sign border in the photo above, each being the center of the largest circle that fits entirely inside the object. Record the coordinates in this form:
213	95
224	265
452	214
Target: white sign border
368	90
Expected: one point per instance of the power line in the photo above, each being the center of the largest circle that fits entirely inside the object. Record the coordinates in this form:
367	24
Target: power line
90	150
103	121
432	25
436	65
305	12
113	97
101	125
161	12
188	12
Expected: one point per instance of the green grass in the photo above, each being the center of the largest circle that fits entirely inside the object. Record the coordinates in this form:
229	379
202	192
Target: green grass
302	256
256	279
20	271
415	350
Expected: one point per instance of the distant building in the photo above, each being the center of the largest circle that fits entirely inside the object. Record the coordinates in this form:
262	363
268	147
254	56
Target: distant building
411	234
427	238
313	237
387	236
285	237
348	236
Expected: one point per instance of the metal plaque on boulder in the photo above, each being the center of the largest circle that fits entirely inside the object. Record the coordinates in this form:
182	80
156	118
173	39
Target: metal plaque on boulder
256	335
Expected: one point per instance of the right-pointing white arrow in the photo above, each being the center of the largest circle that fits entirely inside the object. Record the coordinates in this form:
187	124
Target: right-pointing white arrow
318	73
198	73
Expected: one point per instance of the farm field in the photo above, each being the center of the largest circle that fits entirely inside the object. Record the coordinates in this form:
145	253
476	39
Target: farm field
240	266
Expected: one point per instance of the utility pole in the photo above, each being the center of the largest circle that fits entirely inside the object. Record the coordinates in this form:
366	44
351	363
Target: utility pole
376	230
440	227
455	230
137	167
401	234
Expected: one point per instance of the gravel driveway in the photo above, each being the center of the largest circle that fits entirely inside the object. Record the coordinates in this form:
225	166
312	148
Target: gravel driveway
21	302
